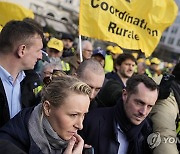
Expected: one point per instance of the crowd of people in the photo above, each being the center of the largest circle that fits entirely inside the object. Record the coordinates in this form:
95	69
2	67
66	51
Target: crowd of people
52	102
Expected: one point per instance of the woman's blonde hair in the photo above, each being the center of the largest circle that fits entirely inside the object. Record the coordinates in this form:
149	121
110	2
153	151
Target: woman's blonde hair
62	87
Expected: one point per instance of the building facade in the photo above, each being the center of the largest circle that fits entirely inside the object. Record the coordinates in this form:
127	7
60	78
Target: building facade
169	46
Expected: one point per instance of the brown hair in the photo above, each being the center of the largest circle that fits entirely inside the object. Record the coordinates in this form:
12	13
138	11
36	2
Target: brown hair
16	33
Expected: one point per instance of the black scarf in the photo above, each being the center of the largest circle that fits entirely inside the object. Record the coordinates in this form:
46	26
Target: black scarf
175	86
176	89
131	131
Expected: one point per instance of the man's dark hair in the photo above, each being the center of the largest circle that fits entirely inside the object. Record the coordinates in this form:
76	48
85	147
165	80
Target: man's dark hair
33	22
122	57
67	36
135	80
16	33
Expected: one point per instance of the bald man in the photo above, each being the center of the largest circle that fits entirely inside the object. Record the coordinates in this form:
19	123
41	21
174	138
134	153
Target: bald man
92	73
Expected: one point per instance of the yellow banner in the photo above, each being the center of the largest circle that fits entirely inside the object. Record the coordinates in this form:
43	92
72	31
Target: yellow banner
132	24
0	28
11	11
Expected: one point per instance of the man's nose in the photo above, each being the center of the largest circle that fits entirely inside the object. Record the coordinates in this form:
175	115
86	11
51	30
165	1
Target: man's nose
131	67
143	110
40	55
92	94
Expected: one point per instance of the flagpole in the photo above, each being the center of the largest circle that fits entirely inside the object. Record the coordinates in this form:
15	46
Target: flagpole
80	49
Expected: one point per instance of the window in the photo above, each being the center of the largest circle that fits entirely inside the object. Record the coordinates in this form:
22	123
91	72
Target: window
167	29
64	19
163	39
177	20
178	42
171	40
50	14
174	30
69	1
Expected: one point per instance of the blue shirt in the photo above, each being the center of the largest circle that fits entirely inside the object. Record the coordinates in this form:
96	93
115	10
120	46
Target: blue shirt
123	142
12	90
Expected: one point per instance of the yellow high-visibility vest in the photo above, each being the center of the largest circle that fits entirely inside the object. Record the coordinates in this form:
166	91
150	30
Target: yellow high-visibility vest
65	66
109	64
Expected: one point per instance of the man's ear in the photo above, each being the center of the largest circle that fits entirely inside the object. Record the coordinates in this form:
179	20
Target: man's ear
124	95
21	51
46	108
117	67
74	74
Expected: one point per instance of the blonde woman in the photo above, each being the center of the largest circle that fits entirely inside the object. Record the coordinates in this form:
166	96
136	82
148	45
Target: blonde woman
51	127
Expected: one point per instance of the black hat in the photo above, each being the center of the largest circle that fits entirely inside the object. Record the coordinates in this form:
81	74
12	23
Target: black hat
67	36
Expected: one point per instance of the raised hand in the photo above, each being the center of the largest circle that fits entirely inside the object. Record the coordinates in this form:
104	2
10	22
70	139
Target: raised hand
75	145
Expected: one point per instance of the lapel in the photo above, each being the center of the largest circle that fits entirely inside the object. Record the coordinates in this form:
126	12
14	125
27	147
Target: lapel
108	143
4	109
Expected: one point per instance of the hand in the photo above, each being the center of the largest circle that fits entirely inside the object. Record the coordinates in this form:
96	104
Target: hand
75	145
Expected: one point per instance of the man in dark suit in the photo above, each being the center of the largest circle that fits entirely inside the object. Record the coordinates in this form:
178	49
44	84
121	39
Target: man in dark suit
20	49
123	129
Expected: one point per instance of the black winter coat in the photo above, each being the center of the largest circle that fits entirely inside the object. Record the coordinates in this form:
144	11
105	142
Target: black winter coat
16	132
28	98
100	131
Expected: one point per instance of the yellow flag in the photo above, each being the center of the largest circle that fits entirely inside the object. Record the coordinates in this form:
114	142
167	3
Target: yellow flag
11	11
0	28
132	24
